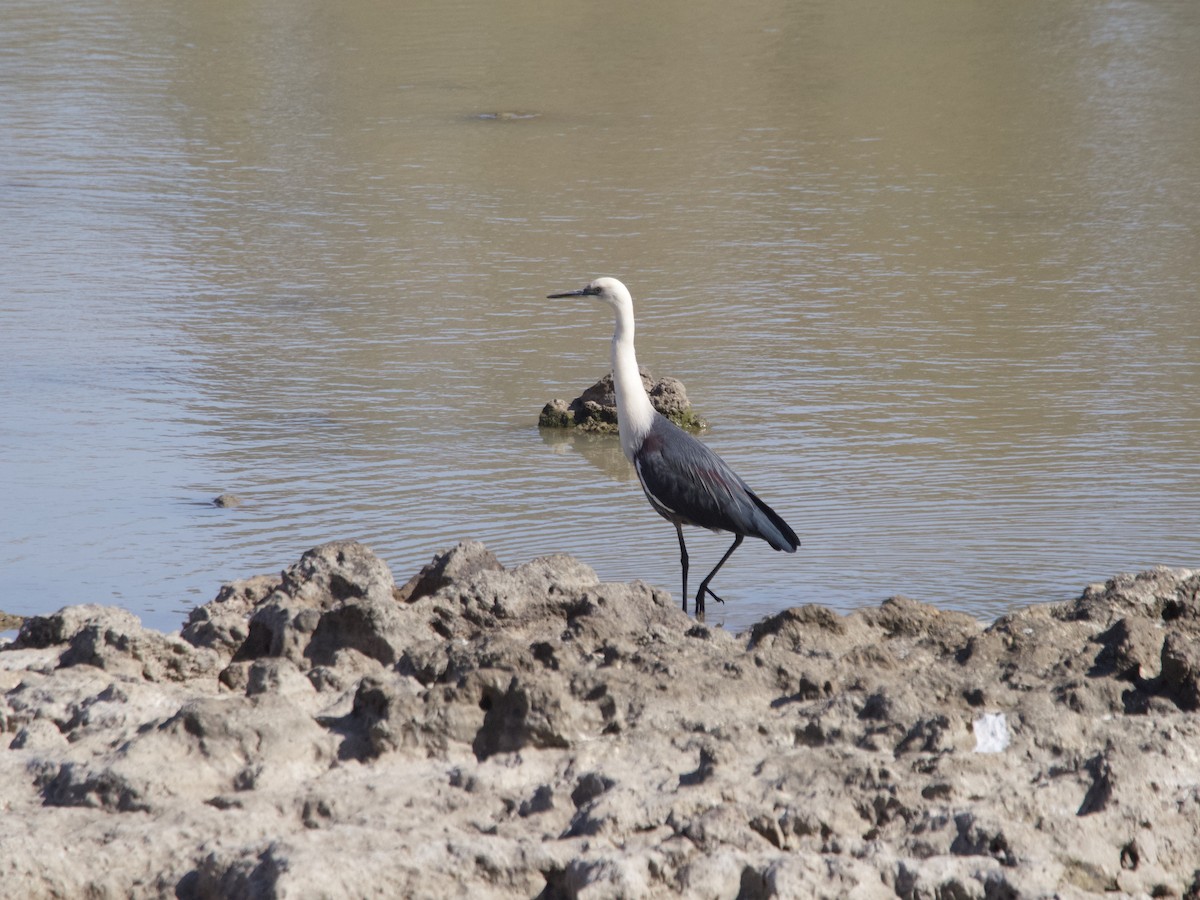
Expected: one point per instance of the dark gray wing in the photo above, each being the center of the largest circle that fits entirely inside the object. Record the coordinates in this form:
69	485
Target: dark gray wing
687	482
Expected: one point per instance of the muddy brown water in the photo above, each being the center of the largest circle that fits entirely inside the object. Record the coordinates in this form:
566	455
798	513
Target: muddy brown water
930	271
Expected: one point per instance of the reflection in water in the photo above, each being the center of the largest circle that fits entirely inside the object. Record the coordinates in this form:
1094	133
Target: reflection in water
600	451
934	266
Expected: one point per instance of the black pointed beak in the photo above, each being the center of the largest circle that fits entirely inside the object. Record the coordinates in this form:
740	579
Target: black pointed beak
588	291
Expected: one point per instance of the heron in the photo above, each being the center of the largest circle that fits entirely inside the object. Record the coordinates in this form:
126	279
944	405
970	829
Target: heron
685	481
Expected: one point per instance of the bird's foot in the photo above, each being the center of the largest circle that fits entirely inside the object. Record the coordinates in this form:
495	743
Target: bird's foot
700	603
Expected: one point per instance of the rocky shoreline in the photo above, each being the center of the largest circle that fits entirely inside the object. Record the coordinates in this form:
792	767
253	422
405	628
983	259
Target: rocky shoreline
533	732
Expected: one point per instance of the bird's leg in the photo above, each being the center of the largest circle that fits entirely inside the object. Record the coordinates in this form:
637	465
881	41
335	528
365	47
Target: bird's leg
737	542
683	562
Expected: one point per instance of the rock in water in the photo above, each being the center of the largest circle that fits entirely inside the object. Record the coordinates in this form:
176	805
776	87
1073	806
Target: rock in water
596	408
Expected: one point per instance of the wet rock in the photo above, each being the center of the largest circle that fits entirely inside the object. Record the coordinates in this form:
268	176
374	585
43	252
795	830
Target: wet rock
596	408
556	414
531	731
507	115
670	398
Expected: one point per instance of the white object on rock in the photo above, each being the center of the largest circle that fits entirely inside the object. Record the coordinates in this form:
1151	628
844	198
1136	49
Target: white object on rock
991	733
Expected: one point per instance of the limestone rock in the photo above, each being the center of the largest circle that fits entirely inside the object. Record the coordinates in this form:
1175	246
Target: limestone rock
532	731
113	639
460	563
223	624
338	599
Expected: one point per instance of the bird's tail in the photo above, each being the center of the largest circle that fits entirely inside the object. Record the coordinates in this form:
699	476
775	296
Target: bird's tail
773	529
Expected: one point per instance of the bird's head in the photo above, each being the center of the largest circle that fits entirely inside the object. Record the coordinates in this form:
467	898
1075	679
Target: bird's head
609	290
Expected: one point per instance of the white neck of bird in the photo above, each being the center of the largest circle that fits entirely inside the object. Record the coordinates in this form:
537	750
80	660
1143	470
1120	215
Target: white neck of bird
635	414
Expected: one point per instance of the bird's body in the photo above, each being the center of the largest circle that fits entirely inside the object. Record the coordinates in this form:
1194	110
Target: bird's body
685	481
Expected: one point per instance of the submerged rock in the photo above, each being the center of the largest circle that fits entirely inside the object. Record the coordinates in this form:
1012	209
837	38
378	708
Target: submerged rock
536	732
595	409
507	115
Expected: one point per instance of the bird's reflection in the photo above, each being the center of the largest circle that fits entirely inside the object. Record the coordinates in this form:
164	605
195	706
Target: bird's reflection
603	451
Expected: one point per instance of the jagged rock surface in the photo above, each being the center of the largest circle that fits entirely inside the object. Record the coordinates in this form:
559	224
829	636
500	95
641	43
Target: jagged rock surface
536	733
595	410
